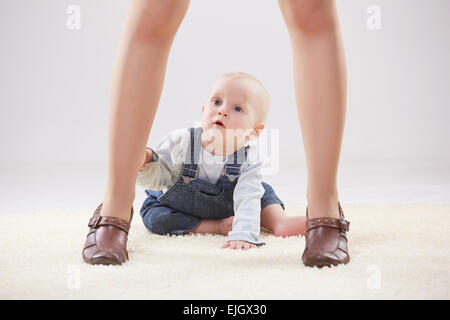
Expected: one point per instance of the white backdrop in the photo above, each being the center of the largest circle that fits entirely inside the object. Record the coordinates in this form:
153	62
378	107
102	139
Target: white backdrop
55	85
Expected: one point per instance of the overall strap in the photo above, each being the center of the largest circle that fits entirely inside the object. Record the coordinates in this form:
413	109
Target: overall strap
235	161
190	165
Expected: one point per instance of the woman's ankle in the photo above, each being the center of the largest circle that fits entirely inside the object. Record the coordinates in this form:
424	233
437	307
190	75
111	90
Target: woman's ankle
118	210
323	207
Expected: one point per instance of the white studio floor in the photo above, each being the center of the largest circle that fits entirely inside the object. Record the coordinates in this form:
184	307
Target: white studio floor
399	242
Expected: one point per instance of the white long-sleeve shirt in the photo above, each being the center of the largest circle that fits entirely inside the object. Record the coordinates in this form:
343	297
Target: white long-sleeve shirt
165	170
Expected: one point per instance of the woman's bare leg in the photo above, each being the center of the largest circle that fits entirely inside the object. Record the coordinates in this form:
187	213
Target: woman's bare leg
320	89
137	83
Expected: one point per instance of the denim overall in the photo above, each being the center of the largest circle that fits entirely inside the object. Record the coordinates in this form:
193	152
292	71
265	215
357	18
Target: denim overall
191	199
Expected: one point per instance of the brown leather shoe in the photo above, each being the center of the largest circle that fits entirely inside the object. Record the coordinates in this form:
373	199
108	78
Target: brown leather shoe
326	242
106	242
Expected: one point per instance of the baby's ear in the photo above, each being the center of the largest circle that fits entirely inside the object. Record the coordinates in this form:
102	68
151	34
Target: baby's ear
203	108
256	131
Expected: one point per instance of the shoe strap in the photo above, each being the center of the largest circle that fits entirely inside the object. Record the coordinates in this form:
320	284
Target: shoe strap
97	220
341	224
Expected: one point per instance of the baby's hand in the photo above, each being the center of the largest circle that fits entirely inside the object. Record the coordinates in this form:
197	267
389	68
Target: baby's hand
237	244
148	155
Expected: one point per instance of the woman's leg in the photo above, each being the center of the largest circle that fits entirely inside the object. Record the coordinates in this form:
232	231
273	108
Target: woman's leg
320	89
137	83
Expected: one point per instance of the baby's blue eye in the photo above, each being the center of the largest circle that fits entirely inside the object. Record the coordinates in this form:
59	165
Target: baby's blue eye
216	100
238	109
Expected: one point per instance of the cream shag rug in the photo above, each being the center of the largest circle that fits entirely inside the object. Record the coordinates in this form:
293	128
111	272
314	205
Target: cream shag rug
397	252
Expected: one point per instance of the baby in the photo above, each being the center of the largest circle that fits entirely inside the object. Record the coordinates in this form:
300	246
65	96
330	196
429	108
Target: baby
208	179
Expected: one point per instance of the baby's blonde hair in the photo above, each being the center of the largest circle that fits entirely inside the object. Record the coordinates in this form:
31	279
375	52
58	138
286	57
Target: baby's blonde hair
243	75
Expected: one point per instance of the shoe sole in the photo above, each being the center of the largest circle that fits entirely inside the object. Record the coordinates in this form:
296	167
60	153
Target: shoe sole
101	261
324	263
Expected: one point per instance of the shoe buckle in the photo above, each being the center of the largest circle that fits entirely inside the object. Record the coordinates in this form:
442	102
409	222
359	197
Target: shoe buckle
344	225
94	221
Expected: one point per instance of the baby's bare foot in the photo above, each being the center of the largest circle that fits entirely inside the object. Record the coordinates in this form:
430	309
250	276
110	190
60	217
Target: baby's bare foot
225	225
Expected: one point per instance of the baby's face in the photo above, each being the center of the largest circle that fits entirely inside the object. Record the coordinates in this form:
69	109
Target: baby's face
232	112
